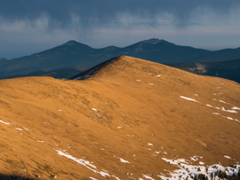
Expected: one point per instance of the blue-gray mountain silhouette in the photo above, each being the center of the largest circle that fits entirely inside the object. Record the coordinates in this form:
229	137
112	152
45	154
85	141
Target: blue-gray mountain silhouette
78	57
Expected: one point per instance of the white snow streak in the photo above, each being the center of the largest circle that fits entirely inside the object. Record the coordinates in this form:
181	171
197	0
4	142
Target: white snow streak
230	111
208	105
224	102
189	99
85	163
228	157
16	126
124	161
147	177
20	129
6	123
93	178
235	108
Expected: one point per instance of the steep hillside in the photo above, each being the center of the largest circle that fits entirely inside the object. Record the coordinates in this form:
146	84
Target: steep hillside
130	119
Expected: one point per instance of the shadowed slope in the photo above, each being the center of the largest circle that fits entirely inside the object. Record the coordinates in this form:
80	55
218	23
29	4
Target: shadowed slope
120	122
10	177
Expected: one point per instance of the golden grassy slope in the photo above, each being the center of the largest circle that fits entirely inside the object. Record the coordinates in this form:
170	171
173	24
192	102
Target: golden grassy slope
130	114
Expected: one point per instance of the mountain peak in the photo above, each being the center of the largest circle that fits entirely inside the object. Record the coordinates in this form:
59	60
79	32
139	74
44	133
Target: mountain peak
71	43
152	41
156	41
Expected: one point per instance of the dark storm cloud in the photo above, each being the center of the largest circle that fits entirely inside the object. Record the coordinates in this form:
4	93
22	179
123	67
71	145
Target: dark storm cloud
93	12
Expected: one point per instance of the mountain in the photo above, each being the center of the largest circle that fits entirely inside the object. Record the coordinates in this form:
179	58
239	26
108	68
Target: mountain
162	51
223	55
82	57
131	119
225	69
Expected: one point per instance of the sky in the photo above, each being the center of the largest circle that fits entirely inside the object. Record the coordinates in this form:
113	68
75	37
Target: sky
31	26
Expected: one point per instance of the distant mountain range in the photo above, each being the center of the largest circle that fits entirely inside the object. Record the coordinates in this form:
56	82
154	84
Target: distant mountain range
80	57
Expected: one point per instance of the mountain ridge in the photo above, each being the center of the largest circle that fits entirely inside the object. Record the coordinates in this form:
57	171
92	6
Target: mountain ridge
79	56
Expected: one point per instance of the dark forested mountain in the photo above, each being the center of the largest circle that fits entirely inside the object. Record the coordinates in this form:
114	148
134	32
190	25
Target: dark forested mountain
82	57
225	69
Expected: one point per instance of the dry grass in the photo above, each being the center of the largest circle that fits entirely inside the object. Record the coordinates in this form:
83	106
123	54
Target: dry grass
148	111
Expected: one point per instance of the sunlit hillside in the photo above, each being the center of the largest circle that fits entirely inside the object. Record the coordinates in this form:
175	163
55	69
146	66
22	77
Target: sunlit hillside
133	119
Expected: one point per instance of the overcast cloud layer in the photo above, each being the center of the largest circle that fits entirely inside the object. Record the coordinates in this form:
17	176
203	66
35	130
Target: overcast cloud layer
112	22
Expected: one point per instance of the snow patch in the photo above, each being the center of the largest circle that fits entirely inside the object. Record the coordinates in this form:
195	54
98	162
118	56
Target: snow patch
208	105
230	111
186	171
6	123
85	163
235	108
93	178
224	102
124	161
40	141
228	157
20	129
148	177
189	99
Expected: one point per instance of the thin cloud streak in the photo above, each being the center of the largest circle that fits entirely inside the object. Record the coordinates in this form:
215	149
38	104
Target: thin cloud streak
91	13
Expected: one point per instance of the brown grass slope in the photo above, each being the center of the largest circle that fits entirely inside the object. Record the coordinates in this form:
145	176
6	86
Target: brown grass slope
58	115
